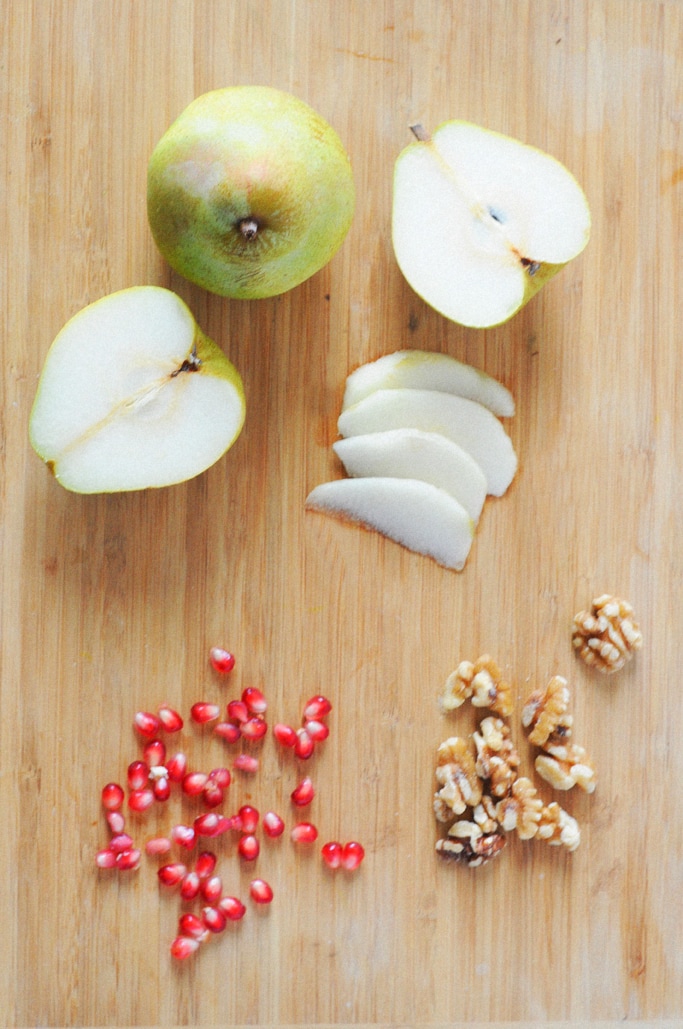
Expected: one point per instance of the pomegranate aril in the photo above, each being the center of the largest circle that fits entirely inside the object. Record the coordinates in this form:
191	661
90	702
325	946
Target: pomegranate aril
192	926
161	789
255	728
115	821
260	891
170	719
154	752
214	919
122	841
147	724
304	745
220	776
273	825
332	854
232	908
128	860
317	707
208	824
238	711
304	832
284	734
211	888
105	858
255	700
177	767
159	845
184	836
248	847
317	730
221	660
205	864
304	793
140	800
172	874
184	947
246	763
203	712
249	818
352	855
112	796
138	774
194	783
189	887
212	794
228	731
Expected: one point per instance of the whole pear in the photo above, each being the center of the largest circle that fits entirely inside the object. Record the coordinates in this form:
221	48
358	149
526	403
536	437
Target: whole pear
249	192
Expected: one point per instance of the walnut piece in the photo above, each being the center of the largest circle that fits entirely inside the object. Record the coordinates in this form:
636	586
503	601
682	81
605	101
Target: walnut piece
472	850
497	760
456	775
565	765
521	810
607	636
558	828
545	712
482	683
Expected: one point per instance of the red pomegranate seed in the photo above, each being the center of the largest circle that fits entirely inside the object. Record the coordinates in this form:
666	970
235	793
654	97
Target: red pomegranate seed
246	763
284	734
128	860
332	854
184	836
222	660
184	947
248	847
161	789
147	724
170	719
228	731
138	775
304	832
221	776
115	821
205	864
154	752
255	700
272	824
192	926
208	824
303	748
317	730
249	818
214	919
189	887
105	858
211	888
304	793
260	891
172	874
112	796
232	908
317	707
140	800
194	783
254	728
177	767
203	712
238	711
158	846
122	841
227	824
212	794
352	855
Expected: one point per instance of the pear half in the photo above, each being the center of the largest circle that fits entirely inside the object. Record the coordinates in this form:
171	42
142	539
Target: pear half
133	395
480	221
421	517
412	454
467	423
423	369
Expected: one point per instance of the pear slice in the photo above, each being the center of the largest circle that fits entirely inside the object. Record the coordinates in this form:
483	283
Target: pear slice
419	516
412	454
481	221
465	422
422	369
133	395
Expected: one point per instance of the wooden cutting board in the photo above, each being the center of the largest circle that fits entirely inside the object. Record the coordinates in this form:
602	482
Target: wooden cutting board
110	604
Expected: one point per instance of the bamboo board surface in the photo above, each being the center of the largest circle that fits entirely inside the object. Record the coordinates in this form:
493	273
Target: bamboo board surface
110	604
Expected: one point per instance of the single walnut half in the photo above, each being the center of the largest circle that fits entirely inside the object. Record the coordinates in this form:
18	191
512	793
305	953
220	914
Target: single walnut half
482	683
497	760
607	636
545	712
472	850
558	828
521	810
565	765
456	776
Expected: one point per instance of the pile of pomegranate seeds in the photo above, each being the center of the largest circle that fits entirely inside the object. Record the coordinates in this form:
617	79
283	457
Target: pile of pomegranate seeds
150	780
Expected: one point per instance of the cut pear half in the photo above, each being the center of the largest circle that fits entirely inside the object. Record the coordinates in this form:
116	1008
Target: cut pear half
480	221
468	424
419	516
133	395
412	454
421	369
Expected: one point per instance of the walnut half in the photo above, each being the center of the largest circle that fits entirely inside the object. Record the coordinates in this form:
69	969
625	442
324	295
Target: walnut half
481	682
607	636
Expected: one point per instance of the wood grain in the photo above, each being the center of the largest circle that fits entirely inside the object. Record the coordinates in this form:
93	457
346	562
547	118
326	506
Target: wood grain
110	604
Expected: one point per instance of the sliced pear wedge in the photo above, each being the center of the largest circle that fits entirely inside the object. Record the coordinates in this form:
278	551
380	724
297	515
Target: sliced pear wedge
412	454
423	369
468	424
421	517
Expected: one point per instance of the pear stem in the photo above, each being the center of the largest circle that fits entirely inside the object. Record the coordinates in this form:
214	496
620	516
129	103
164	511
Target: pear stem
249	228
190	364
420	133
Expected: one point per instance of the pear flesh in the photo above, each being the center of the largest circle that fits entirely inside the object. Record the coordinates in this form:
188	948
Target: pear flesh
421	517
423	369
480	221
133	395
467	423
